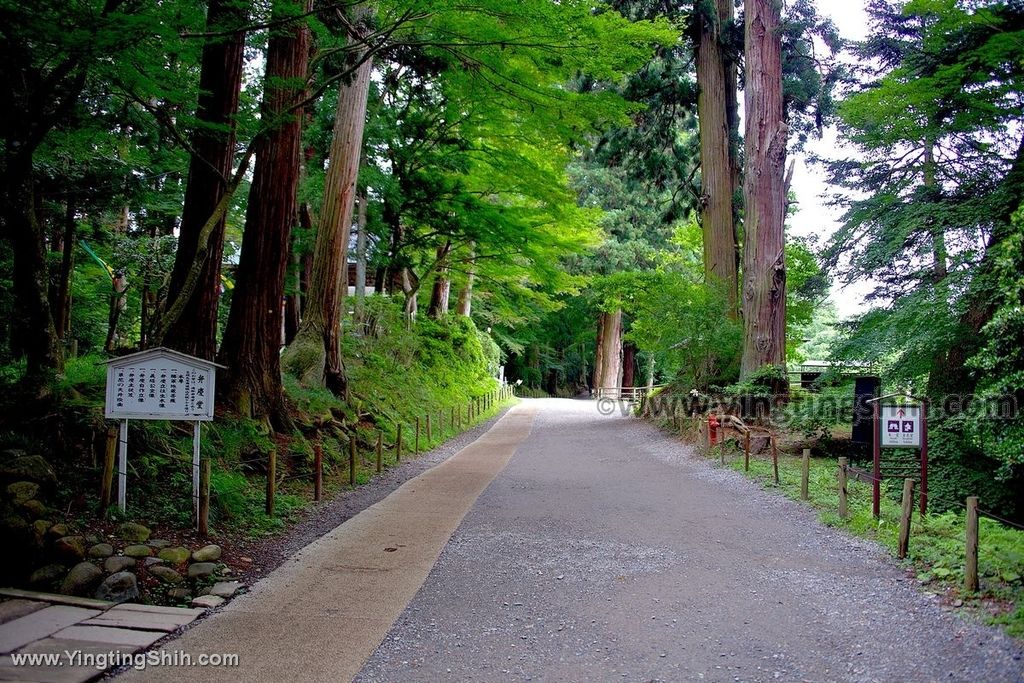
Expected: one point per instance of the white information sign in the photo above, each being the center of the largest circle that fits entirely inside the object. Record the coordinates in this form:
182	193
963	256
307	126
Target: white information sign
901	426
160	384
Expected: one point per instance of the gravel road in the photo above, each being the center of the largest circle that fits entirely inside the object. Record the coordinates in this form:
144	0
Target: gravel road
606	551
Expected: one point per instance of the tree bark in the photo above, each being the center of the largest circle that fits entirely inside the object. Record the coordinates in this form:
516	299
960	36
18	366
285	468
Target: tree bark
293	299
764	264
118	287
608	359
361	242
251	382
628	365
716	104
411	289
442	285
315	354
194	331
465	303
36	334
62	299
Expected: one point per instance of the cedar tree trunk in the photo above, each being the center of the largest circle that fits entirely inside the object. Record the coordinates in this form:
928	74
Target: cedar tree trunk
442	285
251	348
315	354
361	241
194	331
465	303
716	100
764	265
608	359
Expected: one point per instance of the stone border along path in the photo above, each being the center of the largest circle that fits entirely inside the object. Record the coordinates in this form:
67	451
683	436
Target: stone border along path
44	623
322	613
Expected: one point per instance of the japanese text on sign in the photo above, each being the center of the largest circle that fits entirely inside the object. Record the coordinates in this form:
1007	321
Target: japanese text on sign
901	427
160	389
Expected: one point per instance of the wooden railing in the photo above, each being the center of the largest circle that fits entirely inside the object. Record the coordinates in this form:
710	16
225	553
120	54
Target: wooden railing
631	394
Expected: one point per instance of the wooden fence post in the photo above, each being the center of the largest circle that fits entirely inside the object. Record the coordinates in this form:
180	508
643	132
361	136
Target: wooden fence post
380	451
805	474
271	481
352	460
107	484
746	451
204	498
454	427
775	457
908	508
398	444
971	555
416	443
843	511
318	471
430	436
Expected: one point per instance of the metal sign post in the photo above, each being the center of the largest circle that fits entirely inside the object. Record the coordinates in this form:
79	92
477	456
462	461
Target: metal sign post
160	384
898	425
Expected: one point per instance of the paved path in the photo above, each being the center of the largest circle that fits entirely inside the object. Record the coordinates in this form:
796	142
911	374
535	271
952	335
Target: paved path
601	550
605	551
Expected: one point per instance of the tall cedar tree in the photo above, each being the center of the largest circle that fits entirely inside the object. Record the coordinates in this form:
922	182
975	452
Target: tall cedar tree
193	327
764	193
251	347
314	356
719	166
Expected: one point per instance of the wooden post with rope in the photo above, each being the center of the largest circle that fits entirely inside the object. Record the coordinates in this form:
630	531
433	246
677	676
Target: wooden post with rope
352	461
843	509
903	545
380	451
271	481
775	456
318	471
204	498
971	550
805	474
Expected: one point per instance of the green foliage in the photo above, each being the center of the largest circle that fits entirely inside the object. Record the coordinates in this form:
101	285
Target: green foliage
679	321
763	382
816	414
1000	362
398	373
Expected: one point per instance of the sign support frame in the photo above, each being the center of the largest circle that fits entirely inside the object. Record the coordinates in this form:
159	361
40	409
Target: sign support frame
876	451
163	361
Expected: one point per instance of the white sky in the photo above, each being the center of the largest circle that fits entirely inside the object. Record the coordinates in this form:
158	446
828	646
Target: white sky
813	218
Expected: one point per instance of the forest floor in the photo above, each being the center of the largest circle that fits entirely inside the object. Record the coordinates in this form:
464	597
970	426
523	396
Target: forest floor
605	549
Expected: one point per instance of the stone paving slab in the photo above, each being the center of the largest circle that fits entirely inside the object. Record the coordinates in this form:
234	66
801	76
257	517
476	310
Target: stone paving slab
65	672
56	598
183	612
111	635
40	624
14	609
45	623
142	621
